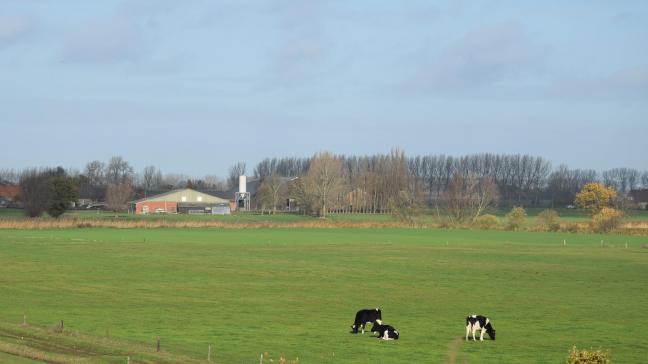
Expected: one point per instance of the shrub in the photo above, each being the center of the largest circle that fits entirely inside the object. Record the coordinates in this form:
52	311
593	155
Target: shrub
607	220
403	207
588	357
486	222
570	227
516	218
548	220
63	191
594	197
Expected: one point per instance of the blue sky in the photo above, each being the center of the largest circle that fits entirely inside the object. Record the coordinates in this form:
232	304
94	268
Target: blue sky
194	86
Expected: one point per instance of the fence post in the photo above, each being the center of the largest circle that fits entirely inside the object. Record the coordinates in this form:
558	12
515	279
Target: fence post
209	353
158	343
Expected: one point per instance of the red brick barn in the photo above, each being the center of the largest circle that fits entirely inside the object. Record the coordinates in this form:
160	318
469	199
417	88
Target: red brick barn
183	200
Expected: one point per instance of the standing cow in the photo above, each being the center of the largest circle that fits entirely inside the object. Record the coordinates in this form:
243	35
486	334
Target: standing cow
479	322
363	317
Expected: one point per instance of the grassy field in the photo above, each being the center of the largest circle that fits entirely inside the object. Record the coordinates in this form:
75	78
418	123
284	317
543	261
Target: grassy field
295	292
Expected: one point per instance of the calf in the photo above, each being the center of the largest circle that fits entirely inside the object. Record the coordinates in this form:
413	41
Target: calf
478	322
385	332
363	317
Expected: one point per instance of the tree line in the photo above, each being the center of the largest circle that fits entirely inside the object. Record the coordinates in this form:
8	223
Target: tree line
373	183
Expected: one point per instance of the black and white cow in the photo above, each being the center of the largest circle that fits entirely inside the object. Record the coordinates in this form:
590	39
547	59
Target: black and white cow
479	322
363	317
385	332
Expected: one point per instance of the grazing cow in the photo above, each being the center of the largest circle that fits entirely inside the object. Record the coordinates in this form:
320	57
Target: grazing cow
363	317
478	322
385	332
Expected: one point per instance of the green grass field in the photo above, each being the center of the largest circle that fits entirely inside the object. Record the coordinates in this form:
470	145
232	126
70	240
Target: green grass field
243	218
295	292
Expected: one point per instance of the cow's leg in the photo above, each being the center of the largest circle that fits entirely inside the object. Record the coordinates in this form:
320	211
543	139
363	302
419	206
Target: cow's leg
467	331
362	327
481	335
473	329
386	335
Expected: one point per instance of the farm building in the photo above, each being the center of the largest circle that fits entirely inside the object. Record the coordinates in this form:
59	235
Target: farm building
8	193
640	198
183	201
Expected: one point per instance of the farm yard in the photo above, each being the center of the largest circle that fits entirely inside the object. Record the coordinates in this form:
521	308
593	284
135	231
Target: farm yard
293	293
252	181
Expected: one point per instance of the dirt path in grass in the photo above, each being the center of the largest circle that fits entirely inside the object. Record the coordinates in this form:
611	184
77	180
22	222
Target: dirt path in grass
453	350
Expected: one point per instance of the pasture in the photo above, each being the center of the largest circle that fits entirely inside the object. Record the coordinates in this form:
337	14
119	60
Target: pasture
295	292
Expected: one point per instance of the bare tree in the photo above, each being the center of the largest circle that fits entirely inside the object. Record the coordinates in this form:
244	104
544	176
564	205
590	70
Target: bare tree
285	167
270	191
324	182
235	171
95	172
175	180
118	195
623	180
469	196
151	178
35	191
215	182
9	176
92	182
119	171
564	183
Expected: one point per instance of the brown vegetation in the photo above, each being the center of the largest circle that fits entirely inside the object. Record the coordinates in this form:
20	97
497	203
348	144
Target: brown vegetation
71	223
606	220
516	218
487	222
548	220
577	356
468	196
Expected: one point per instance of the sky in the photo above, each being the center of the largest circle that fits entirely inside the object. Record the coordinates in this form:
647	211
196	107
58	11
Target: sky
195	86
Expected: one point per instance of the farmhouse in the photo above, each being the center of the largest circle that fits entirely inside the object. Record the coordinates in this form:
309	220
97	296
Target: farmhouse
640	198
8	193
183	200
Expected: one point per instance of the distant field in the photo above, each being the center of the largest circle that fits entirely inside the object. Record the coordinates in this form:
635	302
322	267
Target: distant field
295	292
427	217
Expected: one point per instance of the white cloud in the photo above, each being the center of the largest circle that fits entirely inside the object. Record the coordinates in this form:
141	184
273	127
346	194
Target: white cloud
15	27
480	58
108	40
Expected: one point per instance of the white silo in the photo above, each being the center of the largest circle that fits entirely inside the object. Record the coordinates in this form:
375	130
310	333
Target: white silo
242	184
242	197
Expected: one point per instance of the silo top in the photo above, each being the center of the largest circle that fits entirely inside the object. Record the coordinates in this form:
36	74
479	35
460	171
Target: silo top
242	184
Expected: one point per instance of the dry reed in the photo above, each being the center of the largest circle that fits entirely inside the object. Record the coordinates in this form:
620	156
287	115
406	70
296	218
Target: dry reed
72	223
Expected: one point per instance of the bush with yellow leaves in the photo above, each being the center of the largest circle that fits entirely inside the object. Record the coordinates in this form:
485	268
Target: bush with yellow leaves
516	218
486	222
588	357
607	220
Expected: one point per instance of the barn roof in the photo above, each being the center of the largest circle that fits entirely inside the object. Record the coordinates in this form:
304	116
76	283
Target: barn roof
9	191
188	194
640	195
